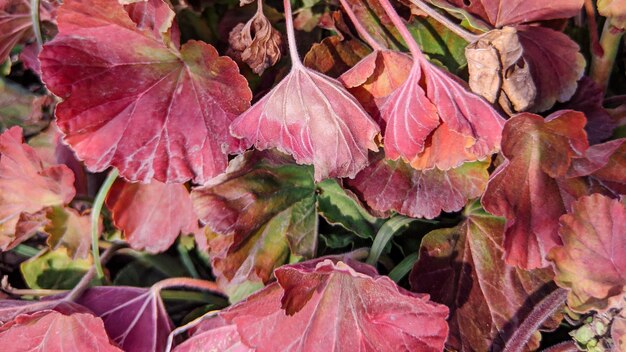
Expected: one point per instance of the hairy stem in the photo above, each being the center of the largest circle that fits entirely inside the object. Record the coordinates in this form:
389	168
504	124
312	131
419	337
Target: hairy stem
567	346
83	284
34	15
469	37
95	217
404	31
592	27
363	33
291	36
542	311
602	65
188	283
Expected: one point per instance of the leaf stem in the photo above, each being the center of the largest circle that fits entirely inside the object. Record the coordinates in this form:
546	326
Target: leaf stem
404	31
6	287
592	27
291	36
469	37
365	35
188	283
390	228
34	15
95	217
602	65
83	284
542	311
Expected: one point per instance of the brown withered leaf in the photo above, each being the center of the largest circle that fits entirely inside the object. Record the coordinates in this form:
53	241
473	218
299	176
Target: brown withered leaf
333	55
498	70
256	43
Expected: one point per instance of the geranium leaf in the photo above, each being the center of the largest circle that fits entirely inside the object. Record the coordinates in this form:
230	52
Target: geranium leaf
152	215
214	334
311	117
537	153
338	308
261	209
334	55
340	206
11	308
169	120
56	332
54	270
27	187
135	318
388	185
463	268
19	107
500	13
69	229
590	261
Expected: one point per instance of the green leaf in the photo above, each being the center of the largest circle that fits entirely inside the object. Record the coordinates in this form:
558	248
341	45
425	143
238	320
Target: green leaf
439	43
341	207
54	270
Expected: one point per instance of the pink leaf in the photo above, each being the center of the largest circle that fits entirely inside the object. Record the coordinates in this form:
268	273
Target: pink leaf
152	215
167	118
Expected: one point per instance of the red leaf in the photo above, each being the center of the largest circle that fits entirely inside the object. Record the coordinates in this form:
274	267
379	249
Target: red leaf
555	69
167	119
9	308
152	215
216	335
327	306
500	13
591	261
52	331
463	268
388	185
524	190
134	317
27	186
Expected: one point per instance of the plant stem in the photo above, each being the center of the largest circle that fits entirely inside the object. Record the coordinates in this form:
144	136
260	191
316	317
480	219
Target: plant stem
187	262
6	287
386	232
83	284
179	330
34	15
542	311
567	346
469	37
404	31
95	217
403	268
592	27
365	35
26	251
188	283
291	36
602	65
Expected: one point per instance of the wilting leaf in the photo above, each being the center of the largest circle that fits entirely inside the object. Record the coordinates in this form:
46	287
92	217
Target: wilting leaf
537	152
500	13
615	10
152	215
168	118
257	43
69	229
54	270
334	55
56	332
388	185
591	261
339	308
463	268
18	107
135	318
261	209
313	118
339	206
588	99
27	187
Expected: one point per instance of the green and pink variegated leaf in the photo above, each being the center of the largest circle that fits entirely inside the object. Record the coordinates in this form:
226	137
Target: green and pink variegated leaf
168	119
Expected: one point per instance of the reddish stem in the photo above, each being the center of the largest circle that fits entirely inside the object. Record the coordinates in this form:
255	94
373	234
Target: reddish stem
188	283
404	31
542	311
567	346
360	28
592	26
291	36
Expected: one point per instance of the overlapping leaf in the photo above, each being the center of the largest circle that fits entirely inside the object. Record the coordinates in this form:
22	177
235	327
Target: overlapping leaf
463	268
152	215
55	270
52	331
215	334
339	308
135	318
70	229
19	107
388	185
335	55
261	209
591	260
26	188
168	119
537	152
